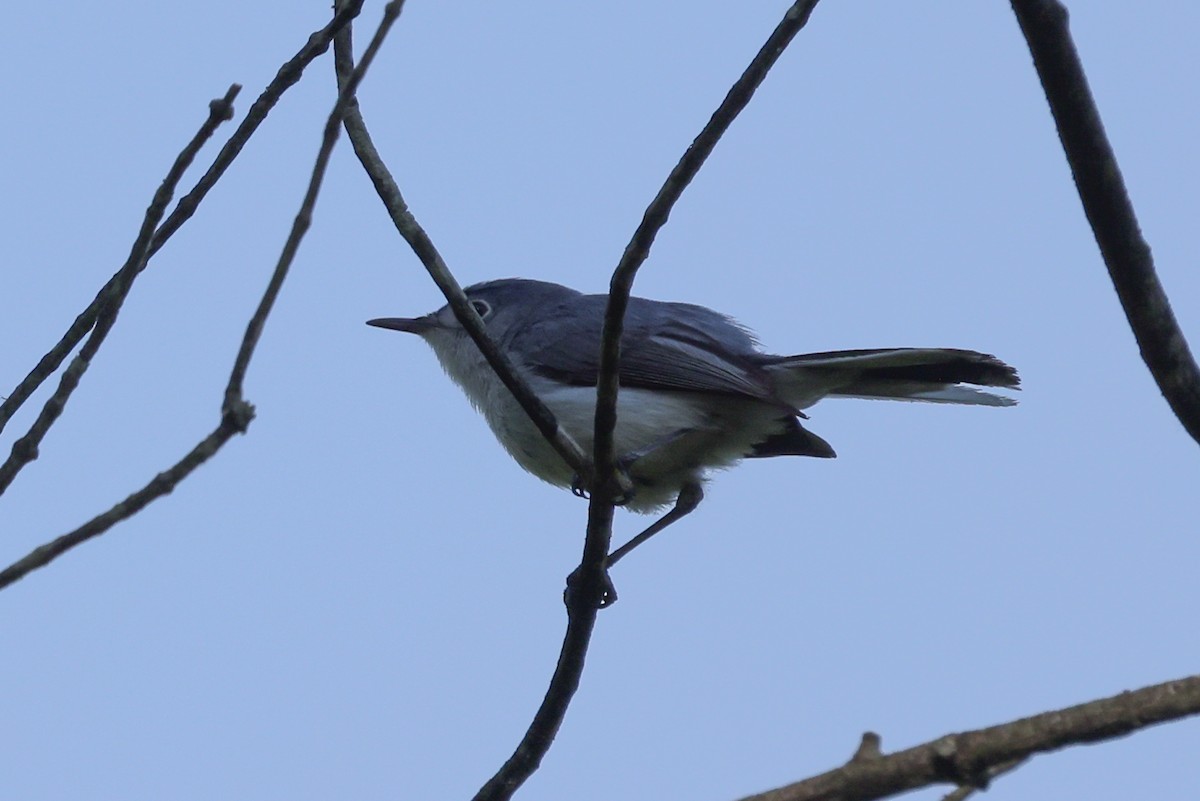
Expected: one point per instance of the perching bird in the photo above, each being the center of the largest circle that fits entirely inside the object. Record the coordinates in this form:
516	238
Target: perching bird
696	392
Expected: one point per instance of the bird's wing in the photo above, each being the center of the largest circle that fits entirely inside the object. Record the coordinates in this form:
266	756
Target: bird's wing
664	346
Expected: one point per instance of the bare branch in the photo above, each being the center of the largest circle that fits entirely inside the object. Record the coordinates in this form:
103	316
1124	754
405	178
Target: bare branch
1108	208
583	604
656	217
234	421
971	758
607	486
236	413
583	599
582	614
233	392
528	755
408	227
110	299
287	76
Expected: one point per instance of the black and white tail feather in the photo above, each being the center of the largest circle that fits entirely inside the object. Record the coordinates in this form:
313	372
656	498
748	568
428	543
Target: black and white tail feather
933	375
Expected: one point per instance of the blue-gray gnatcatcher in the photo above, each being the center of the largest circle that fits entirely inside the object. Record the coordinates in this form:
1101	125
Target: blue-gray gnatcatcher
696	392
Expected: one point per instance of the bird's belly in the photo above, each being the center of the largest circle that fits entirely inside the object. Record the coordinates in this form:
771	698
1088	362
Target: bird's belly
672	437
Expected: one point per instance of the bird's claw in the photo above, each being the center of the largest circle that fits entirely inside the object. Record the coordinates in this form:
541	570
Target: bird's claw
624	481
608	592
577	488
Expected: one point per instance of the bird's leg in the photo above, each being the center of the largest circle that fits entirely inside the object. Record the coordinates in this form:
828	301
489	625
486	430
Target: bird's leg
689	498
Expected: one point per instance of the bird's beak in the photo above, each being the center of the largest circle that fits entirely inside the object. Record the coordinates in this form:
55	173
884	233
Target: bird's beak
411	325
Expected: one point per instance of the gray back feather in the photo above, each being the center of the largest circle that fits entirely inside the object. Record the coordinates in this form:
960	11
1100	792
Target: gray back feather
555	331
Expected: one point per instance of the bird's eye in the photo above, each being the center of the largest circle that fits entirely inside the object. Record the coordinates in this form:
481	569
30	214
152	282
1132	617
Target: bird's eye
481	308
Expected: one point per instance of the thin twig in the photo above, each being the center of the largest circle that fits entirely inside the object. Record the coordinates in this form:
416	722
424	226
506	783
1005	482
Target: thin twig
971	757
333	126
236	413
565	681
287	76
606	485
233	422
656	217
581	610
596	546
535	744
1108	208
412	232
25	449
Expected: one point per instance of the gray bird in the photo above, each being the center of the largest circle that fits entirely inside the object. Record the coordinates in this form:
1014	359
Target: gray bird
696	392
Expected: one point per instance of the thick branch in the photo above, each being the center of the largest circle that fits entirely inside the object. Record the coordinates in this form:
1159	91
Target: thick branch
412	232
287	76
1108	208
971	757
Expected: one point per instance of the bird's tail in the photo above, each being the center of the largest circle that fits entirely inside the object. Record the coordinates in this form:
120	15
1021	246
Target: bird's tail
914	374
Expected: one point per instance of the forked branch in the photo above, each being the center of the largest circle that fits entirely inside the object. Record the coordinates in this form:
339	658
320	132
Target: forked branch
287	76
236	413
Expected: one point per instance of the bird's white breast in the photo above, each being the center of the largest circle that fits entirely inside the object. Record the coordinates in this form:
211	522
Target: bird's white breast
682	433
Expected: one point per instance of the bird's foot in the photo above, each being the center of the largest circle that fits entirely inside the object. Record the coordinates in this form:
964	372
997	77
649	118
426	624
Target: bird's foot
606	597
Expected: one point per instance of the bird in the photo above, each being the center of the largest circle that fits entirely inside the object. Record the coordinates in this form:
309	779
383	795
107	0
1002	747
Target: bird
697	394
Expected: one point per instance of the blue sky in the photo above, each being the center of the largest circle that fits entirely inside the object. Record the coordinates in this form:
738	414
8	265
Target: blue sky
361	597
